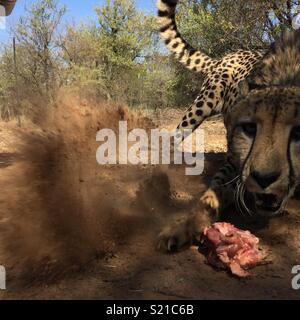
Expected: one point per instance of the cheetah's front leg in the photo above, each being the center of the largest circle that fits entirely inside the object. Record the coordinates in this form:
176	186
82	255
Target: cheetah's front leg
220	194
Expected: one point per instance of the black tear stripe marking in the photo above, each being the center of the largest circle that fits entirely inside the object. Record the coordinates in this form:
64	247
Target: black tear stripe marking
291	176
248	155
275	116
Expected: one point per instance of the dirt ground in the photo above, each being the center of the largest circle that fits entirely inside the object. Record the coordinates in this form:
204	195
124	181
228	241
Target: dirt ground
71	229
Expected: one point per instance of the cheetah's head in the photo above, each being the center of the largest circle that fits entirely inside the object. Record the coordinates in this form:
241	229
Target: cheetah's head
264	145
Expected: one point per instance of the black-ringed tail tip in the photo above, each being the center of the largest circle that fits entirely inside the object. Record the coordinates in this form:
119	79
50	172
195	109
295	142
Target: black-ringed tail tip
184	52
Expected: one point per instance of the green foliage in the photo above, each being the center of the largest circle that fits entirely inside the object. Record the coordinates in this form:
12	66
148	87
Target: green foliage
32	69
81	58
36	34
125	37
125	33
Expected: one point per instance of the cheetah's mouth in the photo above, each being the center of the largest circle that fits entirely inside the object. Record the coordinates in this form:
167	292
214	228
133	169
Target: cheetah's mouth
268	204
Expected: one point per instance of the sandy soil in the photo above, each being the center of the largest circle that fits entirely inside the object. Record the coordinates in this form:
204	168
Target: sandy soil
71	229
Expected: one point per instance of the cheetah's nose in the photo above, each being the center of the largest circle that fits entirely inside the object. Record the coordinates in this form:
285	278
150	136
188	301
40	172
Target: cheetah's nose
263	179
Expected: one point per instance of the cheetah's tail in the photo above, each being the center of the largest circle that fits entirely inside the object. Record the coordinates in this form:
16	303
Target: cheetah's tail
191	58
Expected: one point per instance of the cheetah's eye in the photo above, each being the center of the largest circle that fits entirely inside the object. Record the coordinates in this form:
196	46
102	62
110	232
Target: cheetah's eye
249	128
295	134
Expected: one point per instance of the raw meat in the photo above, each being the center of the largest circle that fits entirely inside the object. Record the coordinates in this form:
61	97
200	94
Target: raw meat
230	247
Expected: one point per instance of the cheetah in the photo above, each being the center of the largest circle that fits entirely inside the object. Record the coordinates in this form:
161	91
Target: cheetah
261	112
